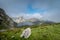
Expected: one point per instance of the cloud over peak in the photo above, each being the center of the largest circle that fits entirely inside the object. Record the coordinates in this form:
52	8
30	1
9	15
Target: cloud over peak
46	9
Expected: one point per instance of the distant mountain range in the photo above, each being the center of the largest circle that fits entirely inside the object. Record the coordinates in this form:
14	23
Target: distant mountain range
32	21
8	22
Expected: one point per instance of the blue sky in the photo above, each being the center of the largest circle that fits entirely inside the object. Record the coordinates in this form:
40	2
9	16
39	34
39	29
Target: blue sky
45	9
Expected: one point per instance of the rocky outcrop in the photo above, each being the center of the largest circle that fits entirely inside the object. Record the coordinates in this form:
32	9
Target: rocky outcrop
5	20
19	19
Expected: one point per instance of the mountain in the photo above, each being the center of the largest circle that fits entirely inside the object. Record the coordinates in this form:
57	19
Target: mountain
5	20
8	22
18	19
21	21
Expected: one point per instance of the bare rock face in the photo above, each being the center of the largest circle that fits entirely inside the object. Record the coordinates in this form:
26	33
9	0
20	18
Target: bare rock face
5	20
19	19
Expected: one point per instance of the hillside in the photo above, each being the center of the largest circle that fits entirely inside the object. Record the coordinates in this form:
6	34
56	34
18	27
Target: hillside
5	20
43	32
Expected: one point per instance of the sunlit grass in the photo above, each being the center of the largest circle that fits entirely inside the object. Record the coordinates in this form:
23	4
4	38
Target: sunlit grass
49	32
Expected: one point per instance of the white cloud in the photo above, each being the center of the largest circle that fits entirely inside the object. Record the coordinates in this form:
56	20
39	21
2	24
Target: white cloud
19	8
27	16
37	15
52	7
52	15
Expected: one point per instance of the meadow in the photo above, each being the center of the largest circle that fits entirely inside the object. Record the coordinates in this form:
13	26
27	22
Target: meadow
39	32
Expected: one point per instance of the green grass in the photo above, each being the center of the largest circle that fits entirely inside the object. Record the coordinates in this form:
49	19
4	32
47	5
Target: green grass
47	32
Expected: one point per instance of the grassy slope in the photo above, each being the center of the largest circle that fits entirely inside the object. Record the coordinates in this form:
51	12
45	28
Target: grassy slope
48	32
